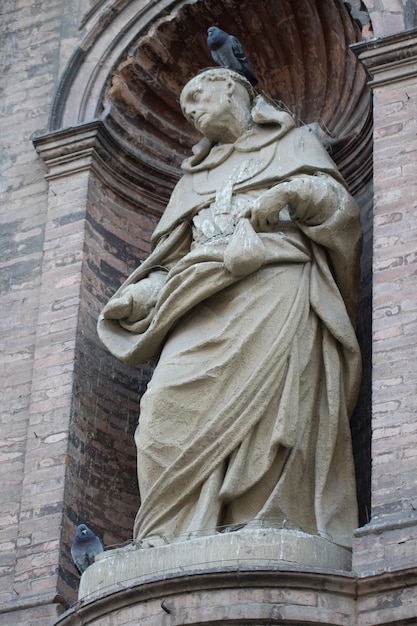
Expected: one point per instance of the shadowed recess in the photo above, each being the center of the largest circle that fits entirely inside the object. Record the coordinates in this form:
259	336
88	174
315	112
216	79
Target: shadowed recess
299	50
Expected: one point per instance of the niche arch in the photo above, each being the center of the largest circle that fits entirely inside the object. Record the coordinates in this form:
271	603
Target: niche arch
136	56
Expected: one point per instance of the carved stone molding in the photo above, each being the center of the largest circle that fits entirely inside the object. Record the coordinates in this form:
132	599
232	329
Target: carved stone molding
389	59
92	146
394	521
223	596
389	539
252	595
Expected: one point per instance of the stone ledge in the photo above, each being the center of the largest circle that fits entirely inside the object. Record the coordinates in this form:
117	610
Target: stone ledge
34	600
228	595
243	595
395	521
386	544
248	547
94	147
389	59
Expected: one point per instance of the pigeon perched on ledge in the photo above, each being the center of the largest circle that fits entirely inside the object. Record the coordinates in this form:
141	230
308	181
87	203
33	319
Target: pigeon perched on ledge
227	51
85	547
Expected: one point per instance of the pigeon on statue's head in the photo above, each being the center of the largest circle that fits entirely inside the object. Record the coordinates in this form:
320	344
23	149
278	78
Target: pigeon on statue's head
227	51
85	547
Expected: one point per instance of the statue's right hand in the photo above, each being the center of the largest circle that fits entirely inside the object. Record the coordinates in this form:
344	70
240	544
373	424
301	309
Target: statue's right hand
135	301
120	306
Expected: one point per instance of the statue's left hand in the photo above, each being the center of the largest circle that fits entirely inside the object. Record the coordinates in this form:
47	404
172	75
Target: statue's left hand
264	213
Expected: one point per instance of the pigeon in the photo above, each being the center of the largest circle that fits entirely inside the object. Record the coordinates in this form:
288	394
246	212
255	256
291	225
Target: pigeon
227	51
85	547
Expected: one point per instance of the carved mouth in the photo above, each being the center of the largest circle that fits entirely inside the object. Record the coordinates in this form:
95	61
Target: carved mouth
199	117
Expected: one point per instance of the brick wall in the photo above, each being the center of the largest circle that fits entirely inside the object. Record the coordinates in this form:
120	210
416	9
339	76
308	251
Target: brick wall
387	16
94	238
101	483
52	278
390	540
66	245
395	300
30	42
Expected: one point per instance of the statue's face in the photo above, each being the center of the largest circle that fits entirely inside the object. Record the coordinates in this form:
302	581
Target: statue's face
209	106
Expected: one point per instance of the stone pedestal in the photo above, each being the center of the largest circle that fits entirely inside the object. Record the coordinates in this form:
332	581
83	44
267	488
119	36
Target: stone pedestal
269	548
256	576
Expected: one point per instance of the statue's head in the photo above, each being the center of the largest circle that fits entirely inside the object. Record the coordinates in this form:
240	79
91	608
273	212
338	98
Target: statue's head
218	103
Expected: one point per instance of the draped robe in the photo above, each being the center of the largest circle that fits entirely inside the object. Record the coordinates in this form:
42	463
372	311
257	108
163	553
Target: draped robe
245	421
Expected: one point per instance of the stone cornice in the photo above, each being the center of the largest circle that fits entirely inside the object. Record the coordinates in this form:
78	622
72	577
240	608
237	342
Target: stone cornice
92	146
31	601
389	59
388	523
208	581
160	590
387	580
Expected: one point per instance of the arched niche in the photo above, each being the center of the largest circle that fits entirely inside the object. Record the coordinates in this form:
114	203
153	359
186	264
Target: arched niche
122	88
137	56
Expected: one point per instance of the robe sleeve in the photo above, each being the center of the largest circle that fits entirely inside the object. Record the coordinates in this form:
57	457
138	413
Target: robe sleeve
329	216
115	334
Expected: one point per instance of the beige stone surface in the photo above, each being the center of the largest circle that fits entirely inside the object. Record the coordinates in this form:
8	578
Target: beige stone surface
253	547
247	304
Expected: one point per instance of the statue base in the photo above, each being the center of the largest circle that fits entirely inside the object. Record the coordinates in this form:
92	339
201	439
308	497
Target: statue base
266	548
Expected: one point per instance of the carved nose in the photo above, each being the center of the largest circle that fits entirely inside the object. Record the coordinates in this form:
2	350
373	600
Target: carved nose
190	112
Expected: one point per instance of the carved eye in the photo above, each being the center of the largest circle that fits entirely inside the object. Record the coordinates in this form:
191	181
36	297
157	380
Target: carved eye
195	96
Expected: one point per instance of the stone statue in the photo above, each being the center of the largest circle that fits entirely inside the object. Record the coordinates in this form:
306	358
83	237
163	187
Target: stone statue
247	304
